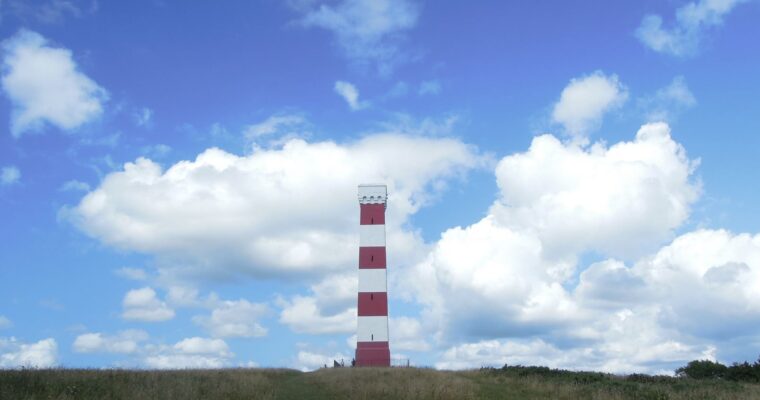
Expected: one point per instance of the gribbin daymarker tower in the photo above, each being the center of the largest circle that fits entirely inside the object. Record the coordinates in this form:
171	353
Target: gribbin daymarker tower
372	327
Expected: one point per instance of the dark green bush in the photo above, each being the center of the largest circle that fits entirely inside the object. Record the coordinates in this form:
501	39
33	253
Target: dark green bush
703	369
744	372
737	372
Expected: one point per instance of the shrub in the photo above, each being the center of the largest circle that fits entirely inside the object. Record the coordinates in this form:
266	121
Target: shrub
703	369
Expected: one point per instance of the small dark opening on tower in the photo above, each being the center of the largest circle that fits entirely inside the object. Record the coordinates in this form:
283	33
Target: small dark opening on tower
372	220
372	258
373	337
372	296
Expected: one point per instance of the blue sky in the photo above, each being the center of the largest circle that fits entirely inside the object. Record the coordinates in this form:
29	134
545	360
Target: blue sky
571	184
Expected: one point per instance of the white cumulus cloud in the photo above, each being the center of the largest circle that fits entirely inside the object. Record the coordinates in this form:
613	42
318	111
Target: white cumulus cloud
585	100
237	318
407	334
303	315
15	354
630	349
198	345
488	280
620	200
5	322
310	360
9	175
724	268
286	211
190	353
125	342
143	305
368	31
287	125
349	93
45	85
668	101
509	288
330	307
692	21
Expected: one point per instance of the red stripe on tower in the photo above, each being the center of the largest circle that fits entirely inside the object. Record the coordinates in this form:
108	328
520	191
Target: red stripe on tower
372	257
372	323
373	304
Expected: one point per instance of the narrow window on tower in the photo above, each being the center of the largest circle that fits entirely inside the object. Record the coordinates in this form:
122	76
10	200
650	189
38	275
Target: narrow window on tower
372	296
372	258
372	220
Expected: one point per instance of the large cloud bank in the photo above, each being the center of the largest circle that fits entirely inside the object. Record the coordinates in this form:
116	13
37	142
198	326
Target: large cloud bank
579	263
288	211
515	287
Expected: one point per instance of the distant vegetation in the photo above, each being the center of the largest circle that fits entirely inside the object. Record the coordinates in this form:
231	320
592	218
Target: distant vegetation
737	372
697	380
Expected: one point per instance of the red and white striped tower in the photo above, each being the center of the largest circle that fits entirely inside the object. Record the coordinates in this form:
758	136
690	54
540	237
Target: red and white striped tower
372	327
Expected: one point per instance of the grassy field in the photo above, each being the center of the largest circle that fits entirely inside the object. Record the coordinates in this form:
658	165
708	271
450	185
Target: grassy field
357	383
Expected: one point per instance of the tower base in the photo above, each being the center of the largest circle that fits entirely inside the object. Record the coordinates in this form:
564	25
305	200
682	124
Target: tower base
373	354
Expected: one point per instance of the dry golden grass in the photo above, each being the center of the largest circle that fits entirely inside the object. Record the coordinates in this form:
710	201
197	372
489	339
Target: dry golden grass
394	383
357	383
70	384
494	384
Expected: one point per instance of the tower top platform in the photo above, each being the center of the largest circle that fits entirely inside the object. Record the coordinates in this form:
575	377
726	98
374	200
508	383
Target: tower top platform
373	194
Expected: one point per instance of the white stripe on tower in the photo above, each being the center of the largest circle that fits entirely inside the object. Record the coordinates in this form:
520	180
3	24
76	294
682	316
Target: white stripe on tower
372	323
372	280
372	235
